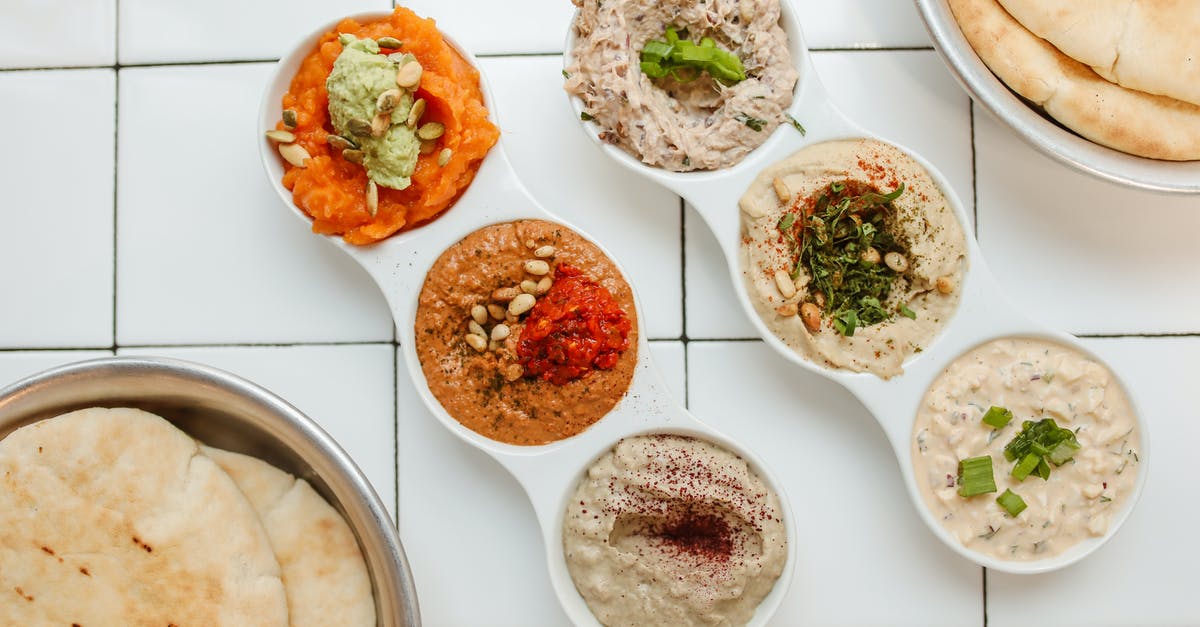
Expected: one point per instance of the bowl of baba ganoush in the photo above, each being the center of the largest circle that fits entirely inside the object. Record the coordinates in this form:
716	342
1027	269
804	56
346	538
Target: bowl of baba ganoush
1027	453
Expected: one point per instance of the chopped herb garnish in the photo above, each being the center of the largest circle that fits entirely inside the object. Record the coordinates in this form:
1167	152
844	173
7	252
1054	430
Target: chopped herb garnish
1105	499
786	221
975	476
828	238
1025	466
1011	502
1037	444
997	416
585	116
906	312
566	74
681	59
754	123
797	125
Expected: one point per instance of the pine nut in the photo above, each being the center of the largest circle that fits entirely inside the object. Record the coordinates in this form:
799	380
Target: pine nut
479	314
476	328
529	287
871	255
810	315
781	190
537	267
788	310
476	342
521	304
543	286
496	312
505	294
529	244
897	262
294	154
945	284
283	137
500	332
783	281
544	252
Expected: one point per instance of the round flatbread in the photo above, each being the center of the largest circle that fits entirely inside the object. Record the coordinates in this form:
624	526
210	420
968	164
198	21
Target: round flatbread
323	570
113	517
1149	45
1131	121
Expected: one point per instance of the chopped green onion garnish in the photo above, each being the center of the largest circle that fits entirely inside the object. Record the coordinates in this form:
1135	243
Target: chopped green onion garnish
1043	470
997	416
906	312
566	74
1039	437
1025	466
1064	452
585	116
846	322
975	476
797	125
756	124
685	61
837	187
1011	502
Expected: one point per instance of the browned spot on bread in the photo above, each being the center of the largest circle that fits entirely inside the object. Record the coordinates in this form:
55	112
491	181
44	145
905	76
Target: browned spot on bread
27	597
84	570
144	546
47	550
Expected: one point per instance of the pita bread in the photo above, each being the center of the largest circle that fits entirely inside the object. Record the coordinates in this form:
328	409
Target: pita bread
1131	121
323	570
1149	45
113	517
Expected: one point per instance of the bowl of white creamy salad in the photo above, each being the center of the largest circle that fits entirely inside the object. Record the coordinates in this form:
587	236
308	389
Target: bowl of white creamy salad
1028	453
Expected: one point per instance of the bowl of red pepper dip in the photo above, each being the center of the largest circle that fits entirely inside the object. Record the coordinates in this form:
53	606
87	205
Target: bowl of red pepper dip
669	529
526	332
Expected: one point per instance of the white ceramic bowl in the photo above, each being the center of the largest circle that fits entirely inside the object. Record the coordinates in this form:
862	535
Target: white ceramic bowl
229	412
984	313
548	473
1040	131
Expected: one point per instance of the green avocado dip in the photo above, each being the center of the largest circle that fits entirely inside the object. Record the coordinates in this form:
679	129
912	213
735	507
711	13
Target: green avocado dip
360	76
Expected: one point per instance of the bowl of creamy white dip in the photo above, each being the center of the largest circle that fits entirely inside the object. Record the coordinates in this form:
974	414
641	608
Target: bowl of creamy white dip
981	405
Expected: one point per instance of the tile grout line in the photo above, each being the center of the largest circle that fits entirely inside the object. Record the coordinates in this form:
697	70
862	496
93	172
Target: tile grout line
975	215
116	183
683	336
396	434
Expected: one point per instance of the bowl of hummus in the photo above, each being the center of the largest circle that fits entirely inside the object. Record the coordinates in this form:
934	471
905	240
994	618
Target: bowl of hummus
526	332
1027	452
851	255
673	529
680	85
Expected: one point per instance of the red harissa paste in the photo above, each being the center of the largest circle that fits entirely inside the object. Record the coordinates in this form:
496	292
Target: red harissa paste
575	328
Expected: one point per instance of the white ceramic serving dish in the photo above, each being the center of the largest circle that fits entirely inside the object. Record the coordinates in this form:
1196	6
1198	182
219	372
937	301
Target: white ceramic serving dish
548	473
984	313
229	412
1038	130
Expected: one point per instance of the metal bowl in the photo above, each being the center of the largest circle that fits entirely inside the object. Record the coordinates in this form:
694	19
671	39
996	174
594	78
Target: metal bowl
1041	132
229	412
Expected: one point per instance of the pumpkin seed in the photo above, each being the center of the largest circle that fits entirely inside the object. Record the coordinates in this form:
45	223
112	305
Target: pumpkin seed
289	119
353	155
389	42
431	130
409	75
283	137
414	114
427	148
388	100
359	127
381	123
372	198
443	156
340	143
294	154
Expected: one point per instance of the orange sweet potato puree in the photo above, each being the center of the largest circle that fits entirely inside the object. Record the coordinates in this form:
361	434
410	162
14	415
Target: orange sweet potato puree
332	190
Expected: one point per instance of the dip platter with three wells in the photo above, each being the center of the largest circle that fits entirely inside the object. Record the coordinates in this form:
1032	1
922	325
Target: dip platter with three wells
550	471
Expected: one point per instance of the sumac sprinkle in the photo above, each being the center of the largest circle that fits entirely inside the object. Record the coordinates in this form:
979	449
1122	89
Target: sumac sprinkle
574	328
703	535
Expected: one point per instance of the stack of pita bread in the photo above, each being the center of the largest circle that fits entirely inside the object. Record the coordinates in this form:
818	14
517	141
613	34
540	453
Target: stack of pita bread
1122	73
116	517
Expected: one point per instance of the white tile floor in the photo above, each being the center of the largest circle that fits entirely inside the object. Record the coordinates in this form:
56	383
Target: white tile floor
193	257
